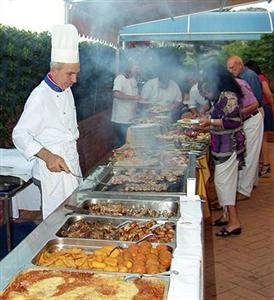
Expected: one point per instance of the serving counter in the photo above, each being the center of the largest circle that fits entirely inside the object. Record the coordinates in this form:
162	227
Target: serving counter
185	276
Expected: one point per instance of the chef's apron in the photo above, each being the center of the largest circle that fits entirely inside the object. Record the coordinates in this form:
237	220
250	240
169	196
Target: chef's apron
57	186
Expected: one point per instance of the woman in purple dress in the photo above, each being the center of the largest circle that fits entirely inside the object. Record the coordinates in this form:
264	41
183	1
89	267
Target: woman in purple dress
227	141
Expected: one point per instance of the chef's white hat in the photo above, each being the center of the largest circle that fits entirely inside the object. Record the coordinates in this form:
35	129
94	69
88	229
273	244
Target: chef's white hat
64	44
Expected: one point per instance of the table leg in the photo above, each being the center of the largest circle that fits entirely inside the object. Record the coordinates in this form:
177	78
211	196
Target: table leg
7	222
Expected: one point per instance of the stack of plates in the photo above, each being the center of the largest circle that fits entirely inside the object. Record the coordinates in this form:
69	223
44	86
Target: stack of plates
144	135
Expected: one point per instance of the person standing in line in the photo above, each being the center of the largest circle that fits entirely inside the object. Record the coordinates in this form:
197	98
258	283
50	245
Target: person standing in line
125	99
253	128
265	166
227	140
47	129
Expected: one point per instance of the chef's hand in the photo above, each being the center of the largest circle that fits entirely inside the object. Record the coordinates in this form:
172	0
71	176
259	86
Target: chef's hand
54	162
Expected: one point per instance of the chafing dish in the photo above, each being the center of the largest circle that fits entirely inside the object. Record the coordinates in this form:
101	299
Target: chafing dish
165	207
100	256
106	228
48	283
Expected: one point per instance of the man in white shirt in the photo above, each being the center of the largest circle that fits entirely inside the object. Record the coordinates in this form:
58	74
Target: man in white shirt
47	129
125	99
198	105
162	90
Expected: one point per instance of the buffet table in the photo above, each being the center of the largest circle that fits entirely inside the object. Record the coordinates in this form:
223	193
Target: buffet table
167	199
188	256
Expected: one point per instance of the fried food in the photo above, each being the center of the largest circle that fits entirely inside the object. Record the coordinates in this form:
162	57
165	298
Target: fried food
137	258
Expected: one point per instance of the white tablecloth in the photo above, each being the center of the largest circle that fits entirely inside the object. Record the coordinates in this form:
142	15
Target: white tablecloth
13	163
29	199
185	285
188	255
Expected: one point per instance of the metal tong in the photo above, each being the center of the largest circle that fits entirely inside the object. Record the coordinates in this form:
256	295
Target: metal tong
82	177
147	237
76	209
136	276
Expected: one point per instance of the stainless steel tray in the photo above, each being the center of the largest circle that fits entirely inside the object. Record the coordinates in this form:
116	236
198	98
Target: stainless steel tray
106	220
165	280
84	245
84	194
159	209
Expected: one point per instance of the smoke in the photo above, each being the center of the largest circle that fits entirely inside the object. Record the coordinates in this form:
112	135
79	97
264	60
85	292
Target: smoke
98	63
107	17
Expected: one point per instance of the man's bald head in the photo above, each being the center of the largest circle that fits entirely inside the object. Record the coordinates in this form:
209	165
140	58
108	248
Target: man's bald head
235	65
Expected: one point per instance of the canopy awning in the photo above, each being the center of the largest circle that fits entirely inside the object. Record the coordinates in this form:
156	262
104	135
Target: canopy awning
207	26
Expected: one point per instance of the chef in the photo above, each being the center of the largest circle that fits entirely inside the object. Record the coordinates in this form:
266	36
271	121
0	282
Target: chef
47	129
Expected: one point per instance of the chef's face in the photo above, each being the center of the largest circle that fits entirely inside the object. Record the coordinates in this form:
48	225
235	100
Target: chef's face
65	75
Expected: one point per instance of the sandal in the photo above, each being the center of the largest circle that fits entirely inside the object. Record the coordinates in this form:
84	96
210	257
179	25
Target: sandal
216	208
265	171
224	232
219	222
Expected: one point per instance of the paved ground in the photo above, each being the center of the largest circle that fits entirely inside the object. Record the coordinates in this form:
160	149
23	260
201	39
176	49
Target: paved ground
241	268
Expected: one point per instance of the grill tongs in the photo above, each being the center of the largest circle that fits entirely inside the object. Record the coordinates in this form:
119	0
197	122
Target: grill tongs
76	209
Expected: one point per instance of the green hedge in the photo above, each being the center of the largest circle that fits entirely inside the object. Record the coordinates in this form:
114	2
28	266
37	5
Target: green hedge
24	61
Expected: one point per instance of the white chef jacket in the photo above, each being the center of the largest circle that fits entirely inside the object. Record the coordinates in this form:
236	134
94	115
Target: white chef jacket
153	92
124	111
49	121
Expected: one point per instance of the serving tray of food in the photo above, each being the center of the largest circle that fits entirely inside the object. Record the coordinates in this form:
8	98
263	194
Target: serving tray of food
163	208
118	229
105	256
43	283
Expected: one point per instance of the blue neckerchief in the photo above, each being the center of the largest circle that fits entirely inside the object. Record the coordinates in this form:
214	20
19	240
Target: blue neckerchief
52	85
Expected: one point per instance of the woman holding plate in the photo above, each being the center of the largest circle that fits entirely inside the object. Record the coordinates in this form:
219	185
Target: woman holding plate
227	141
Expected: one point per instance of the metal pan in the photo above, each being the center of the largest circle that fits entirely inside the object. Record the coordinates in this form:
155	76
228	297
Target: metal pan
81	254
87	283
103	228
133	208
88	194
